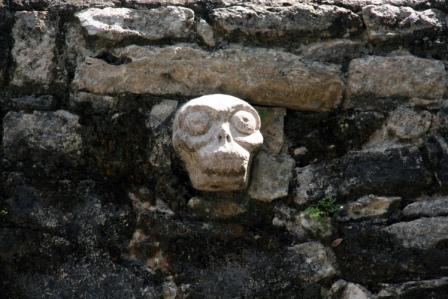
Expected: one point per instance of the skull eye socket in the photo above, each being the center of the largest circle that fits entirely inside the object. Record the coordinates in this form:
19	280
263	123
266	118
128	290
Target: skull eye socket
244	122
197	123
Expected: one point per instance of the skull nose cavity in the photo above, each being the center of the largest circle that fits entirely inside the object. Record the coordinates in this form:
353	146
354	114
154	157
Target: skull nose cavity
224	136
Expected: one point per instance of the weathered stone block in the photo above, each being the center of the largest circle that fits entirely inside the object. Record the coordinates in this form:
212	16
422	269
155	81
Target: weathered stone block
427	207
117	24
424	233
398	171
387	22
397	76
34	35
42	136
261	76
283	22
272	128
314	262
271	176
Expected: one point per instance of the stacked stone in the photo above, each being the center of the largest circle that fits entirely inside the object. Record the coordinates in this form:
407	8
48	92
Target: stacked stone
349	193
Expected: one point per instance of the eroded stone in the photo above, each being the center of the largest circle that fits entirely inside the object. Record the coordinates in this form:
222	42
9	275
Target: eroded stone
272	128
120	23
297	20
271	176
424	233
427	207
315	262
387	22
396	76
42	136
34	36
371	206
262	76
399	171
160	112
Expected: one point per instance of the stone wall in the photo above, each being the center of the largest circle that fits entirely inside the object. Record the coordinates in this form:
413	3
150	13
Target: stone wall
349	193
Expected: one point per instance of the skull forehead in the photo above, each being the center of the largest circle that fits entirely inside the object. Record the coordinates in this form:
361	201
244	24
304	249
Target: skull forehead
218	102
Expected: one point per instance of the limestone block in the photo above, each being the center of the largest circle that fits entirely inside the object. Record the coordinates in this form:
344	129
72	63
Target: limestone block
423	233
386	22
33	52
396	76
117	24
271	176
296	20
262	76
42	136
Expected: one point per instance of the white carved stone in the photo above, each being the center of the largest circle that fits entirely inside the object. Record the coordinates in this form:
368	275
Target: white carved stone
216	136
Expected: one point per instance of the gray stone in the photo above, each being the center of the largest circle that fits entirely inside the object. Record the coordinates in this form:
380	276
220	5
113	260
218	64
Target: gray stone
117	24
206	33
387	22
315	262
282	79
45	102
435	288
34	36
270	176
397	76
424	233
399	171
404	126
334	51
272	128
357	5
355	291
160	112
42	136
216	208
282	22
98	103
371	206
427	207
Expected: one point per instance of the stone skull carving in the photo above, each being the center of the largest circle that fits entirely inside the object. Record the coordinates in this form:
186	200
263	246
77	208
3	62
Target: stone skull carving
216	136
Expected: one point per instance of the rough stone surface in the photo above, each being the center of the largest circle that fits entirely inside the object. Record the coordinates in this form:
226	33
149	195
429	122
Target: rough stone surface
271	176
427	207
333	51
399	76
285	22
370	206
422	233
434	288
34	45
355	291
287	80
403	126
160	112
62	5
117	24
317	262
272	128
393	172
357	5
205	31
407	22
47	135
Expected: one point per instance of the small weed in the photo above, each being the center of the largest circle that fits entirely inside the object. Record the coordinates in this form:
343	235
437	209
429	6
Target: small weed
3	212
324	208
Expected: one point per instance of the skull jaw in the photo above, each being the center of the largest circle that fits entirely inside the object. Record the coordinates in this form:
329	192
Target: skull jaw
205	180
